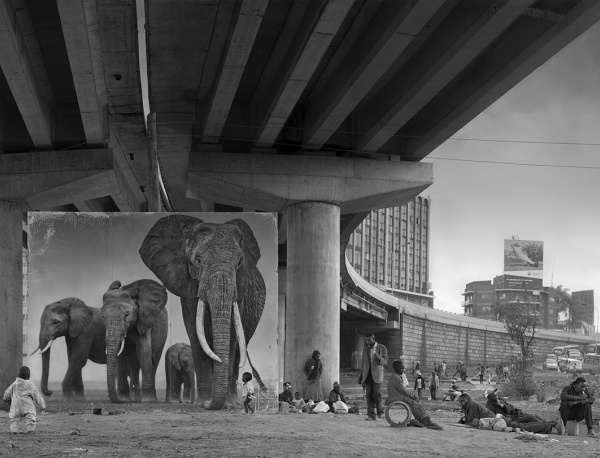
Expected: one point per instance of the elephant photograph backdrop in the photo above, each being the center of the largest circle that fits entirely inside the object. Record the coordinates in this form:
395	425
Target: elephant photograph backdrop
80	254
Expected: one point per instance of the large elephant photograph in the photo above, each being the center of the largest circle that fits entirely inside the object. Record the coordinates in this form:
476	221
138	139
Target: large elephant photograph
163	295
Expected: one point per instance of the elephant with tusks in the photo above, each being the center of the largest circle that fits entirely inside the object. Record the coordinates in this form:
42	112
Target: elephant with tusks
136	332
83	329
213	269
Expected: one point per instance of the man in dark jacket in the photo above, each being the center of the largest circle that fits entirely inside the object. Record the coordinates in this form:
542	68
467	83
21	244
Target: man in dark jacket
397	392
500	405
576	404
374	358
473	412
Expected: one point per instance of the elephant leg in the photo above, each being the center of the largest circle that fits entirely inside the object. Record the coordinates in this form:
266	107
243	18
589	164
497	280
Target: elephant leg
177	393
202	363
122	377
169	375
72	384
134	376
144	354
186	387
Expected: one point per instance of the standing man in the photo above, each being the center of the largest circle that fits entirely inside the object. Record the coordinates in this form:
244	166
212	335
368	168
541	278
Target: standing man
375	357
576	404
444	368
434	384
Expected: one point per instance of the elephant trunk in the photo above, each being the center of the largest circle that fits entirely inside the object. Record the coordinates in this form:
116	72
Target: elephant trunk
45	371
113	341
220	294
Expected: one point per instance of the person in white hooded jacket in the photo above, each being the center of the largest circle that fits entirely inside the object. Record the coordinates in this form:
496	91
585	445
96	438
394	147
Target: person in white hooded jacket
23	397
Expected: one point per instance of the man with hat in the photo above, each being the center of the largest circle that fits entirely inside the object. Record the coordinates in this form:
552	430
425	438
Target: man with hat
286	398
335	395
576	404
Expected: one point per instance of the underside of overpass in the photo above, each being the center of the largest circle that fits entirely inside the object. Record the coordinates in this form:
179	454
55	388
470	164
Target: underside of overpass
318	110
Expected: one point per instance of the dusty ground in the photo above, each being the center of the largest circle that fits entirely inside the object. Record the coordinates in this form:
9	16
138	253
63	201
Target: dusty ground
186	430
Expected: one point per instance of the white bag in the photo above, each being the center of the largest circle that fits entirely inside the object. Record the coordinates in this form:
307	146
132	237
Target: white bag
404	380
321	407
340	407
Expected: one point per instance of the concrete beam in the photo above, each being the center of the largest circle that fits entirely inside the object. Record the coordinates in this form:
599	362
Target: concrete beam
273	182
273	104
389	33
508	64
80	31
22	80
439	62
240	44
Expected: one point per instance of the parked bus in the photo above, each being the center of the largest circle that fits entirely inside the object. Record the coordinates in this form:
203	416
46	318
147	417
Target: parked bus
592	348
591	364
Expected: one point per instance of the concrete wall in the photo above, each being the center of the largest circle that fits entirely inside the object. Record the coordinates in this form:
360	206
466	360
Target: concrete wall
428	335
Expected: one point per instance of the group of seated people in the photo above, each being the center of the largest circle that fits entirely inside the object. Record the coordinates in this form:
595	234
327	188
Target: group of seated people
576	405
296	403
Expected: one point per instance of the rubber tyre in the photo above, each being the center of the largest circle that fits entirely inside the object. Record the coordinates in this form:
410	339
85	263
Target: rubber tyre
390	413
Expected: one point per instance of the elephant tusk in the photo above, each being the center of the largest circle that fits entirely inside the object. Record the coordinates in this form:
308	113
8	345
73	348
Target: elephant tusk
200	332
34	351
122	346
47	346
239	332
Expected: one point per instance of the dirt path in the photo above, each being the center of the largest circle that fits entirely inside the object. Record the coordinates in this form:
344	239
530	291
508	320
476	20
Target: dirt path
184	430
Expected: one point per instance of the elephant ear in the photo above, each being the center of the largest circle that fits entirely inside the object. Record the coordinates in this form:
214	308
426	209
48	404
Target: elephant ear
163	252
249	243
250	282
151	298
80	316
175	357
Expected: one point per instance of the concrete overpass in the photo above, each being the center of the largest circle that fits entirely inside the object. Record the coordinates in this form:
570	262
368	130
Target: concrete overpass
319	111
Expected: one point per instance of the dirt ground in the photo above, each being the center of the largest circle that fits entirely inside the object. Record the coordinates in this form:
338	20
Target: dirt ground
188	430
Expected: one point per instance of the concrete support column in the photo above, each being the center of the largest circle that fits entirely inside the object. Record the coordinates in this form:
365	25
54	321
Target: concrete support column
358	352
282	281
313	291
11	292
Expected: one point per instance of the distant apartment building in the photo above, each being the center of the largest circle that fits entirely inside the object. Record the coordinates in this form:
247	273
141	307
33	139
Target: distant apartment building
390	249
479	296
583	301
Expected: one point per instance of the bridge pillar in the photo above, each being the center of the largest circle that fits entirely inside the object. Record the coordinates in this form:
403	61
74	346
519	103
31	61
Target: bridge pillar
313	291
11	292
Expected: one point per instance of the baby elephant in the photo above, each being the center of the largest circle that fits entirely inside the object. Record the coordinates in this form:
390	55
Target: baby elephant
179	368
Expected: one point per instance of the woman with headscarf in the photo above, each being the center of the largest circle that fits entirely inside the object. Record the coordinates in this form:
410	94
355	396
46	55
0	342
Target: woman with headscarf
313	369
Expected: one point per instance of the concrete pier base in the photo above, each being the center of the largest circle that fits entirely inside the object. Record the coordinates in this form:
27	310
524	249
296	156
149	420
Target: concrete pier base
11	292
313	291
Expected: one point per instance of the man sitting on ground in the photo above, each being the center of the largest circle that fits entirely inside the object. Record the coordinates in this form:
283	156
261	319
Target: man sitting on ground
452	392
397	392
576	404
500	405
286	398
335	395
473	412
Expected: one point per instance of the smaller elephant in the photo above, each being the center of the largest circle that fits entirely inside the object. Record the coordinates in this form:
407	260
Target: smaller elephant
83	329
136	332
179	369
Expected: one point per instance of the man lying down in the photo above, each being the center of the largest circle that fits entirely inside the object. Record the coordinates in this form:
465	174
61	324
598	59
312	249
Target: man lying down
473	412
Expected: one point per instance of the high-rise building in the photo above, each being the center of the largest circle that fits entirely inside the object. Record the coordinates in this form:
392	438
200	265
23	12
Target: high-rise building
584	301
390	249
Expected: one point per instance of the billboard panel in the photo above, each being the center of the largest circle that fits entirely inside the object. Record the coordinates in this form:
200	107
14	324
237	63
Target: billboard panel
524	258
81	260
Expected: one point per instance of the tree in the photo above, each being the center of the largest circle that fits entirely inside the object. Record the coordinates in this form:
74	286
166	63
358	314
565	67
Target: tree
574	310
521	320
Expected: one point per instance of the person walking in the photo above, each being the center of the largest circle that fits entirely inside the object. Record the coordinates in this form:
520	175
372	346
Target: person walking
444	365
313	369
434	384
375	357
419	384
413	368
24	398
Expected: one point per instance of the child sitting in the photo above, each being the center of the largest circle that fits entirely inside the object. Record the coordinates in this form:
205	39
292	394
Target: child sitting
23	397
299	403
248	392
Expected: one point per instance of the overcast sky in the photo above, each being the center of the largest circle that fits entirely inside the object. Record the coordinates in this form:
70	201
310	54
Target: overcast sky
475	206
